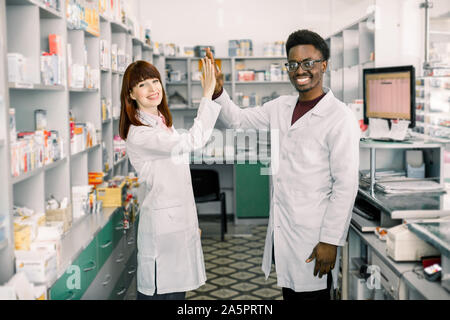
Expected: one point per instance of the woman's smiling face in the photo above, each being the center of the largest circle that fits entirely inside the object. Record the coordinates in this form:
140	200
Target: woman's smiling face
148	93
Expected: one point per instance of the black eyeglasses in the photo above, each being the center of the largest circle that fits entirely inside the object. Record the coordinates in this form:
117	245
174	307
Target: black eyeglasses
306	65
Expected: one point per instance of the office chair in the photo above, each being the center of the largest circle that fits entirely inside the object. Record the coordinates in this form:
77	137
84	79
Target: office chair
207	189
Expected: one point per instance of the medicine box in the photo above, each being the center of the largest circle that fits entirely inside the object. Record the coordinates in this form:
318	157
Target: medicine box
62	215
22	237
16	65
39	266
111	197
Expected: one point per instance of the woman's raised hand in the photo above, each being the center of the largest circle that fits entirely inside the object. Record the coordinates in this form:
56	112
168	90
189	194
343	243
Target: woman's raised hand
218	72
208	78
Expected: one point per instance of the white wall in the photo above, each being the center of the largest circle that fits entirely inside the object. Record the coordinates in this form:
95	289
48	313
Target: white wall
214	22
345	12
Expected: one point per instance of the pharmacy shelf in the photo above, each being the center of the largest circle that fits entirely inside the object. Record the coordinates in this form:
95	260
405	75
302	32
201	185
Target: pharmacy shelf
24	28
137	41
120	161
45	11
33	86
35	172
121	73
260	58
83	89
3	244
87	150
187	108
351	50
182	83
87	32
262	82
118	27
198	83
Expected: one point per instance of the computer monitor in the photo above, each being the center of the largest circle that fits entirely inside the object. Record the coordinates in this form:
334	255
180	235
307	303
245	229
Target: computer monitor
389	93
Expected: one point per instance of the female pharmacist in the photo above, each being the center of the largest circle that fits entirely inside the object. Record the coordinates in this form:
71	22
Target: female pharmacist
170	257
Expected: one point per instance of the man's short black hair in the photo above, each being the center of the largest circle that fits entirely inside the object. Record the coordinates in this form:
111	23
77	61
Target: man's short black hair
301	37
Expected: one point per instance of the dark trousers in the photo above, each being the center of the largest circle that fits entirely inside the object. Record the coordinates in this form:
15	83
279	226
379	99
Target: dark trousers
164	296
319	295
291	295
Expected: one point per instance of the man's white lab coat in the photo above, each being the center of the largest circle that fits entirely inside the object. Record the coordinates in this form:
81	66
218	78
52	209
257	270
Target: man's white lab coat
168	236
315	181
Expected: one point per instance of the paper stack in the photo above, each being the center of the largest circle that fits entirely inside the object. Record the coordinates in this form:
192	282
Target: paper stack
409	186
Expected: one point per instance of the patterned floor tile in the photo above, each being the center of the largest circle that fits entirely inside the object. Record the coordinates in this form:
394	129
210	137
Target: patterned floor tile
223	281
210	275
222	245
224	261
267	293
246	297
240	256
256	260
233	268
238	240
242	275
210	265
222	252
256	270
209	256
255	244
239	248
203	297
241	265
223	271
205	288
263	282
225	293
244	286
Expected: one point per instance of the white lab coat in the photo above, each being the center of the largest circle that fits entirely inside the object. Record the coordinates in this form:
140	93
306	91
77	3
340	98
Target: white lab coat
314	181
168	235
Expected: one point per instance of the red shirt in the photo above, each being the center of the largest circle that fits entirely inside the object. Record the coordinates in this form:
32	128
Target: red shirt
303	107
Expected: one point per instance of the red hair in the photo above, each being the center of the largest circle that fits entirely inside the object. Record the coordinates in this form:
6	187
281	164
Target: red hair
137	72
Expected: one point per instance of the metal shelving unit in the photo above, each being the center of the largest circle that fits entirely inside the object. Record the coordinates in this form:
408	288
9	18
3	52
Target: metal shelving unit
24	28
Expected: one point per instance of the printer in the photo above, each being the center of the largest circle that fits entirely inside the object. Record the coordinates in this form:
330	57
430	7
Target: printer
403	245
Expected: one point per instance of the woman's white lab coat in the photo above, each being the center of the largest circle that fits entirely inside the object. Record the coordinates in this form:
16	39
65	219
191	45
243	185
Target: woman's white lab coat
169	247
314	181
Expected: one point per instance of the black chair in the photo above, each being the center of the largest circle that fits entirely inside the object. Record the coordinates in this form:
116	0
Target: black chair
207	189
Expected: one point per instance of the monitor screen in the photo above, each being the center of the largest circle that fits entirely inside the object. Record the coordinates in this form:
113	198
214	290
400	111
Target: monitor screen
389	93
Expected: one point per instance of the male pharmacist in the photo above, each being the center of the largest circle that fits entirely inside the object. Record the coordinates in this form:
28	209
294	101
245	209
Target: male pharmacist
315	180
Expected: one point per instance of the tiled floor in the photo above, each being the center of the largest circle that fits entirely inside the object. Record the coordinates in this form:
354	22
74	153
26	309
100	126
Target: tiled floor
233	267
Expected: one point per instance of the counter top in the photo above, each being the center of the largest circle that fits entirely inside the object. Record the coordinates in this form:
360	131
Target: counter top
435	233
80	235
416	205
410	272
407	144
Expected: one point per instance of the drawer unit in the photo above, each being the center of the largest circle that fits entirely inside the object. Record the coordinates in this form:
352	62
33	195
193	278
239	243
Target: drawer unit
104	268
126	278
77	278
105	243
88	261
117	225
391	282
103	285
131	268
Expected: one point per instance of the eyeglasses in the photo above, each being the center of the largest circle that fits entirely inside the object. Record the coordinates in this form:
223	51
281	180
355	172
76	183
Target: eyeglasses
306	65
